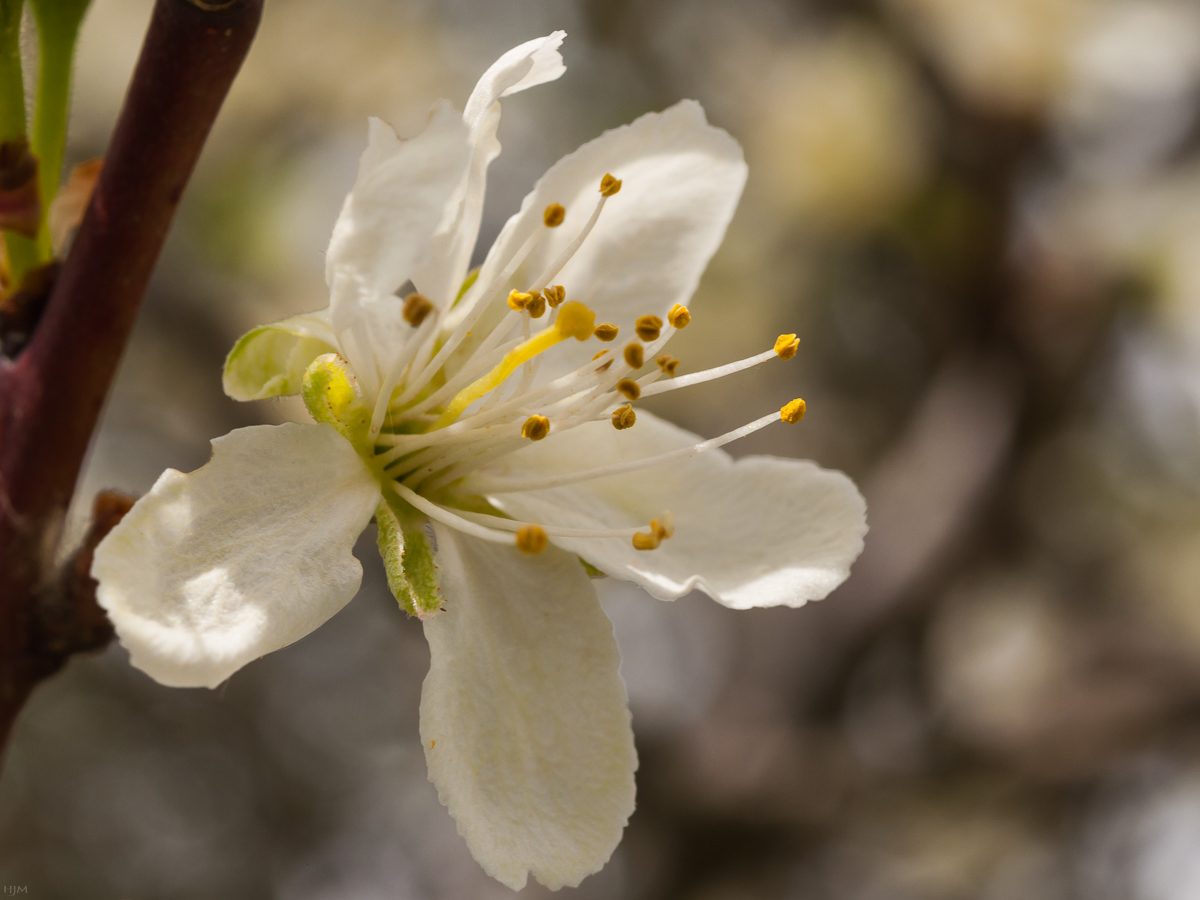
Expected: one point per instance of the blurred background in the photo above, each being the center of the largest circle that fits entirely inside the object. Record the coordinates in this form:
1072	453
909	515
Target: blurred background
983	219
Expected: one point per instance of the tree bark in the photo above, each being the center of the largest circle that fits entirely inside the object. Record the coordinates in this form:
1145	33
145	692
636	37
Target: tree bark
51	395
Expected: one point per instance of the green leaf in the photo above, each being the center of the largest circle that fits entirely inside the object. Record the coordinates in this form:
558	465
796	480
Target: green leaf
408	560
270	360
58	24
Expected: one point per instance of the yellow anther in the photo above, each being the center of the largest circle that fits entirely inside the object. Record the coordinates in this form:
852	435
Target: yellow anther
663	528
416	308
786	346
606	331
792	412
679	316
535	428
629	388
555	294
668	364
645	541
536	307
554	215
624	417
609	185
599	353
648	328
575	320
604	366
531	539
635	357
518	300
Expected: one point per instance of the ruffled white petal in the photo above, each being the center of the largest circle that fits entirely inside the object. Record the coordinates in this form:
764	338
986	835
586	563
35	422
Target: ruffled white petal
383	233
532	63
523	716
681	182
759	531
269	361
245	555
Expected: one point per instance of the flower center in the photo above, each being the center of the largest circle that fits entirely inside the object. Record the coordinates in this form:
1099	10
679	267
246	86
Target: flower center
428	428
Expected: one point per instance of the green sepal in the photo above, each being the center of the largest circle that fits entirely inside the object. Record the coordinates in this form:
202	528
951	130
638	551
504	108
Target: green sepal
591	570
408	561
331	393
270	361
471	278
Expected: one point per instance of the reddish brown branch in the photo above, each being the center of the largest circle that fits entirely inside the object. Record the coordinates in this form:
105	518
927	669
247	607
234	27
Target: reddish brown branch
51	396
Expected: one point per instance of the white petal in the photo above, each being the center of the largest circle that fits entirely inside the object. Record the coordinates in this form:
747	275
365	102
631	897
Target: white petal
245	555
524	719
759	531
269	361
387	222
532	63
681	182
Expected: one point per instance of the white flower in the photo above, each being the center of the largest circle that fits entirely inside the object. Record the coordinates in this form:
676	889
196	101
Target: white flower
458	410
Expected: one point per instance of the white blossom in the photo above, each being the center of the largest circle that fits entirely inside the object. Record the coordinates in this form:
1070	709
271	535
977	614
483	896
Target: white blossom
483	421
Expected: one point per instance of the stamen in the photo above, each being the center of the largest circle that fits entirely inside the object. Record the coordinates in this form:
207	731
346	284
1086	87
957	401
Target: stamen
648	328
604	367
660	530
609	185
606	331
554	215
571	248
629	388
443	515
485	485
532	539
518	300
645	541
793	412
555	294
416	308
624	417
786	346
635	357
535	428
599	353
679	316
668	364
706	375
536	306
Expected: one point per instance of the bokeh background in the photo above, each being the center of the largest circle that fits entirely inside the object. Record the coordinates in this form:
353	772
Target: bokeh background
983	219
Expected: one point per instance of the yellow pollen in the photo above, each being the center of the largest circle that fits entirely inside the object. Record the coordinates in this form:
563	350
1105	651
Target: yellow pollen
606	331
635	357
575	320
668	364
535	428
786	346
536	307
663	528
554	215
555	294
792	412
629	388
416	308
609	185
599	353
645	541
623	417
531	539
648	328
679	316
518	300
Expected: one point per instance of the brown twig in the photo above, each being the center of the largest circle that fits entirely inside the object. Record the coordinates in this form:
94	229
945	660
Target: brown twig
51	395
